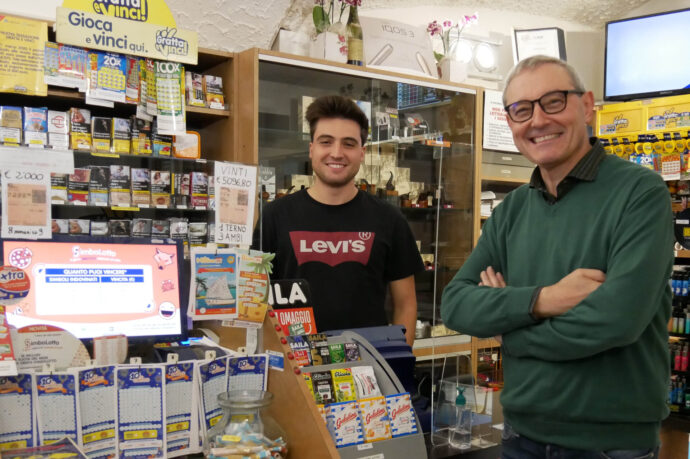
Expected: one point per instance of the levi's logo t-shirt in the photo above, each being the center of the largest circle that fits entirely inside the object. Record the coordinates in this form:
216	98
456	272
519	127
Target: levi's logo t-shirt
332	248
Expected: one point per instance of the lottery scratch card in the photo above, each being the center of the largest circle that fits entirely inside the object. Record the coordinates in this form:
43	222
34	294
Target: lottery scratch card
248	372
252	291
51	63
17	428
170	91
56	403
151	96
97	412
72	66
181	409
111	77
213	377
141	411
132	90
142	112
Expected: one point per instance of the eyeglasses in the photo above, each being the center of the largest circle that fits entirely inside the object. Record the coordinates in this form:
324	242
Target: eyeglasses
551	103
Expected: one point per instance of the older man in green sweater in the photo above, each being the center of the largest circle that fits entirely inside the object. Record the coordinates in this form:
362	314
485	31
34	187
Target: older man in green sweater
571	271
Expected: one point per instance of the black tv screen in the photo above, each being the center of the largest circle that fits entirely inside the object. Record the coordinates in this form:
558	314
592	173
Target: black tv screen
647	56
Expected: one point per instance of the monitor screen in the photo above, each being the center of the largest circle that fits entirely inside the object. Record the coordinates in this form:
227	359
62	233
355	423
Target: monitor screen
647	56
99	288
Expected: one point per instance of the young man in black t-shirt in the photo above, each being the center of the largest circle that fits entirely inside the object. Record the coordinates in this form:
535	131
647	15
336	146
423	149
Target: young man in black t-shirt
350	246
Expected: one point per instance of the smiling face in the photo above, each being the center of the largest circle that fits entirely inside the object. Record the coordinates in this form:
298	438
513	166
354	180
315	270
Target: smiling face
554	142
336	152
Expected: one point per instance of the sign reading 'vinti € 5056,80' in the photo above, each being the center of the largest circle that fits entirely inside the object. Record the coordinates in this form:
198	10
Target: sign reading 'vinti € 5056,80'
109	33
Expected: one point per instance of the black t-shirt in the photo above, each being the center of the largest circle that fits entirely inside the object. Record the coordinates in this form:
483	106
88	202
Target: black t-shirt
348	253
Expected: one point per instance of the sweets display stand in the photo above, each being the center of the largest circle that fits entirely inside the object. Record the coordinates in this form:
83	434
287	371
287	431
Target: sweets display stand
294	407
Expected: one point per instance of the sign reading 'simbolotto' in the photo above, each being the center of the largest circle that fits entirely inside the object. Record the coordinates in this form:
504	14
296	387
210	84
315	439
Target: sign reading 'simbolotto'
126	36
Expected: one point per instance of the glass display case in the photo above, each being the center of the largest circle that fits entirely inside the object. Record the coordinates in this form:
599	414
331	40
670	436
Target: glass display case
420	155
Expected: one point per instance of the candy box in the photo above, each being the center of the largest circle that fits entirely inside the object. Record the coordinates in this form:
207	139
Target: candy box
375	420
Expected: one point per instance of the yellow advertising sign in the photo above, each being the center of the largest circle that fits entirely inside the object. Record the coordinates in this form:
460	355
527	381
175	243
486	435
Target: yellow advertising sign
148	11
95	31
22	42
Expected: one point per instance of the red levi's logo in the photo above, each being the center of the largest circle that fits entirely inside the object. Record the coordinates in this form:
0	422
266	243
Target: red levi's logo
332	248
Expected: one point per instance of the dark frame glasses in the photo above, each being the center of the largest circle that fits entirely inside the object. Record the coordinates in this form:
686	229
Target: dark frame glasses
551	103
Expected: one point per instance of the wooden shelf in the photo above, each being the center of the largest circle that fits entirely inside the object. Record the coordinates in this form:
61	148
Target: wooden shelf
505	180
682	253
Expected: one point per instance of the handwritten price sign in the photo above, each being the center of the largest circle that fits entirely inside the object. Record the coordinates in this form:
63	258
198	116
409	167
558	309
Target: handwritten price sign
25	203
235	189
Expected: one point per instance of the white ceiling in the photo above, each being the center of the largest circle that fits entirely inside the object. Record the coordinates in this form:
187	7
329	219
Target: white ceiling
592	13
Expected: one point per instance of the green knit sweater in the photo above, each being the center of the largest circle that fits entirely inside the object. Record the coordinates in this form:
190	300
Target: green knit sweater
597	376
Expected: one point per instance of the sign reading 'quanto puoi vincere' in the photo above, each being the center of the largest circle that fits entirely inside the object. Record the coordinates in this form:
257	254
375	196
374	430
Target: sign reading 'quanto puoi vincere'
109	33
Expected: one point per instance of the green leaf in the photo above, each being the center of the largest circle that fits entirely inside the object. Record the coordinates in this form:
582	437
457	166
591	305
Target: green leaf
321	21
438	56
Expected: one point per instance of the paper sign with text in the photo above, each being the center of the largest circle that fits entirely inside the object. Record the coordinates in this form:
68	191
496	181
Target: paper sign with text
26	204
235	188
22	43
497	134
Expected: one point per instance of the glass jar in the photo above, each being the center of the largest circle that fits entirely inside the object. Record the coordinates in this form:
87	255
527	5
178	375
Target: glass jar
244	430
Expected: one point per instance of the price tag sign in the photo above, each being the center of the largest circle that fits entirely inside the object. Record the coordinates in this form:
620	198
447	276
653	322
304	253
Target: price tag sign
26	203
235	190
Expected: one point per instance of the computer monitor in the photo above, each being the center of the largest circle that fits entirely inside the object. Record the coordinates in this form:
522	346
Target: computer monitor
646	56
96	287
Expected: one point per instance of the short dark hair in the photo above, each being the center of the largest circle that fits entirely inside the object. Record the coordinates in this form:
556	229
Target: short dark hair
329	107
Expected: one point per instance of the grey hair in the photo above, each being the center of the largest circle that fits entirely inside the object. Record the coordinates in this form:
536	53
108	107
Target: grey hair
533	62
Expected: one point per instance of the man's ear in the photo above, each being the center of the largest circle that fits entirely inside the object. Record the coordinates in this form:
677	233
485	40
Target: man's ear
588	101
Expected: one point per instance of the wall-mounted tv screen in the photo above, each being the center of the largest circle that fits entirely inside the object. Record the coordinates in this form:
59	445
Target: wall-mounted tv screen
98	288
646	56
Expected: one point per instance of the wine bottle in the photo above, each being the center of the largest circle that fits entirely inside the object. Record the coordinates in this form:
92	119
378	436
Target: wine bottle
355	46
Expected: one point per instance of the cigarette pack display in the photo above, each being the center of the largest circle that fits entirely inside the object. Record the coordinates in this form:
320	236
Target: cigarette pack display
160	188
80	128
98	185
58	188
58	129
195	89
187	145
181	190
179	228
213	88
119	228
132	90
323	386
99	228
162	144
59	226
160	228
365	382
211	193
10	125
375	421
141	136
78	186
120	135
36	126
401	414
100	134
199	189
79	226
120	186
198	232
344	385
344	423
141	187
141	227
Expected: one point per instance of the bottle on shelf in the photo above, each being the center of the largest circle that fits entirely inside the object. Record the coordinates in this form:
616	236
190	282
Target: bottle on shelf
355	43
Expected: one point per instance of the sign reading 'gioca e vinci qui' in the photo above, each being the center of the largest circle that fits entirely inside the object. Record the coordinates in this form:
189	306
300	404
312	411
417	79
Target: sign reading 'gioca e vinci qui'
127	36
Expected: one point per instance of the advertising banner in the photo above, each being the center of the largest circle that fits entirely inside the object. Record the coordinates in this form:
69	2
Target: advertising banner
96	31
22	42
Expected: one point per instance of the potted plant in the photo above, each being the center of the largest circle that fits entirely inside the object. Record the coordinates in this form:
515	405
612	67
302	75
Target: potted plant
448	33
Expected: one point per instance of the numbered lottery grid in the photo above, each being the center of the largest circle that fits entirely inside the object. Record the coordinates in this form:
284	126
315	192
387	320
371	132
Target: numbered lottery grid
113	79
16	406
57	406
98	411
180	407
247	373
168	95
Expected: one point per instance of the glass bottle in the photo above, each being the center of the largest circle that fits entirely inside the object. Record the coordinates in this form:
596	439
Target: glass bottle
355	45
460	435
244	429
